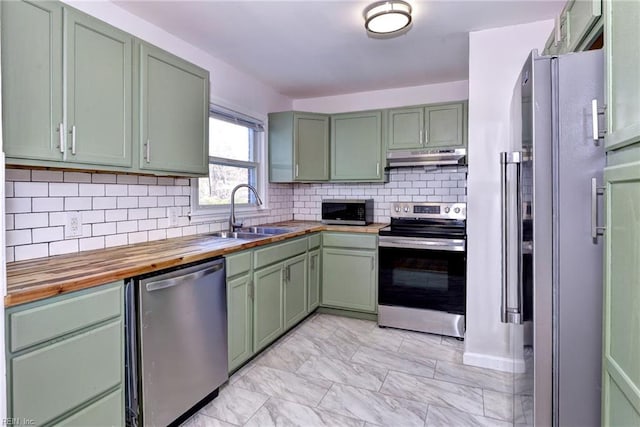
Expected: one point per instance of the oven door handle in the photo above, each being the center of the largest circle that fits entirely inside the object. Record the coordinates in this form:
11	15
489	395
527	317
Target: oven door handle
449	246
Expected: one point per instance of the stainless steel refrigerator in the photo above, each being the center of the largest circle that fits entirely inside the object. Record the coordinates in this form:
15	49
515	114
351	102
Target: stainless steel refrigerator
551	250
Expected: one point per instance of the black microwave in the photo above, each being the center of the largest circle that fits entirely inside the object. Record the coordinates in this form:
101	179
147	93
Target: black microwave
347	211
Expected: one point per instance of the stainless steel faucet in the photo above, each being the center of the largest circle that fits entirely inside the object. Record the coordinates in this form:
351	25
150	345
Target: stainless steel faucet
232	217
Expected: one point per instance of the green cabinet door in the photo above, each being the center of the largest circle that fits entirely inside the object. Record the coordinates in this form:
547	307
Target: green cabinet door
98	91
622	58
356	147
445	126
581	16
32	79
295	290
406	128
268	323
311	135
621	369
239	322
313	293
349	279
174	114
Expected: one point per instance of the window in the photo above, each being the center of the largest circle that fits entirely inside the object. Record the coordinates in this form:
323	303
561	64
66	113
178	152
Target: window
235	151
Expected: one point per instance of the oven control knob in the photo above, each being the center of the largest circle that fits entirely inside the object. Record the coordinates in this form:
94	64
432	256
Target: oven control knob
446	210
397	208
406	208
457	210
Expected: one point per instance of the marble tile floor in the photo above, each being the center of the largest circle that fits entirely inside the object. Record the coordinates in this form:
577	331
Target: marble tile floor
339	371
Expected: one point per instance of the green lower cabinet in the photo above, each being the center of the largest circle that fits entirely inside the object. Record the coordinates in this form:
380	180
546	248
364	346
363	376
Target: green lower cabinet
239	314
75	375
313	284
349	279
621	343
268	321
295	290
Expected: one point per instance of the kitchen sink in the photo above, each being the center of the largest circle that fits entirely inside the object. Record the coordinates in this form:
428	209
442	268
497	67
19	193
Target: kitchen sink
264	230
242	235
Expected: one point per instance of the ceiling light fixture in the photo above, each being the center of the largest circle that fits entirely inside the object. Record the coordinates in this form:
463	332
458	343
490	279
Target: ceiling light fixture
387	17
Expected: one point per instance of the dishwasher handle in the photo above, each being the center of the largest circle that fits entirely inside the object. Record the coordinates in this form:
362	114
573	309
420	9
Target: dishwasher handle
175	281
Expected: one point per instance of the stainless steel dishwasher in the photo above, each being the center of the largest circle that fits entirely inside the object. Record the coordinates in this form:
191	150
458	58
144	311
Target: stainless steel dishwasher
176	346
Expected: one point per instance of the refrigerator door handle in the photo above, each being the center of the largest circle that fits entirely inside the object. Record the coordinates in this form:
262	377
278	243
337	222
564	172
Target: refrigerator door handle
596	191
510	314
595	114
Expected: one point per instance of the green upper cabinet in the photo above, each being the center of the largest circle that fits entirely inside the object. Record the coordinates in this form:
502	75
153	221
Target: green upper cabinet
581	17
356	147
174	114
431	126
32	79
298	147
98	91
622	58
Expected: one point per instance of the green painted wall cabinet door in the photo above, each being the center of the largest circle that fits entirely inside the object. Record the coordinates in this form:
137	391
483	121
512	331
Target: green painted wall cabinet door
99	73
622	59
298	147
174	114
621	353
406	128
32	79
356	147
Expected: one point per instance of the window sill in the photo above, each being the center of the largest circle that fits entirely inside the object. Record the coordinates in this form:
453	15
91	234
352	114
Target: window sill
223	215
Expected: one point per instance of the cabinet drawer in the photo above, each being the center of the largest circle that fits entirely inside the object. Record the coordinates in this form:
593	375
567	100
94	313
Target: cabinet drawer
66	314
276	253
48	382
238	263
350	240
314	240
107	411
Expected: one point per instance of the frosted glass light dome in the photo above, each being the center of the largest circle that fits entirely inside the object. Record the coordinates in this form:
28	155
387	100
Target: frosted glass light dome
386	17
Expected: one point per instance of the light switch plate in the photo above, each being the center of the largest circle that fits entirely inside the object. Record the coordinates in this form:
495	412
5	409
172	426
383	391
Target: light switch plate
73	227
172	213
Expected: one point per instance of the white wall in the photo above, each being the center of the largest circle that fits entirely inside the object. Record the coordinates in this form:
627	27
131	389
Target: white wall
230	87
495	60
387	98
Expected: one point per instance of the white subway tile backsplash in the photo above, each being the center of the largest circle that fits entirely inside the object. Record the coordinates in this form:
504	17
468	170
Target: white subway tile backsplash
174	232
92	217
31	189
91	243
137	190
115	240
91	190
103	178
47	204
8	222
17	175
77	203
157	234
18	237
18	205
127	202
127	179
31	220
148	202
166	201
157	212
147	180
147	224
116	215
63	190
127	226
10	254
48	234
77	177
63	247
157	190
115	190
138	237
104	202
163	180
103	229
46	176
31	251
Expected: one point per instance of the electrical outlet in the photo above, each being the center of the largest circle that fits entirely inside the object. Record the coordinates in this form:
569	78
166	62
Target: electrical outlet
172	213
74	225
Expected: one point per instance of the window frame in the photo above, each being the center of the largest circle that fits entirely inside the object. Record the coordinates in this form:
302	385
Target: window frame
207	213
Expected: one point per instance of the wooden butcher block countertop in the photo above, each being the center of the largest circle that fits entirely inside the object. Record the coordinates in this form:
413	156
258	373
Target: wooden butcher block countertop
36	279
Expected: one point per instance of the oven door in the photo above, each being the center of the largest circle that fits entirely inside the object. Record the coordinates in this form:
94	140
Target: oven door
422	273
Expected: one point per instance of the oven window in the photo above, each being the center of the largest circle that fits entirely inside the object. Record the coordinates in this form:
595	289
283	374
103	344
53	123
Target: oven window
422	279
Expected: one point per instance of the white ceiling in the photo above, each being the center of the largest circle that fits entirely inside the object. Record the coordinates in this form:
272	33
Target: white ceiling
307	48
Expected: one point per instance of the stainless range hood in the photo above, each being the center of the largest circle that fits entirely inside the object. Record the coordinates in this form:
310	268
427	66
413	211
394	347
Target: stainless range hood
425	157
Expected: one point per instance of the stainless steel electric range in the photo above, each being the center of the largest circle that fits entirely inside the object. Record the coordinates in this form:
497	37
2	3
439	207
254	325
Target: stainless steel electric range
422	268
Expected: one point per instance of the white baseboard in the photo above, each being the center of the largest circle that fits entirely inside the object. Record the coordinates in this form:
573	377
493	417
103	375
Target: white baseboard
505	364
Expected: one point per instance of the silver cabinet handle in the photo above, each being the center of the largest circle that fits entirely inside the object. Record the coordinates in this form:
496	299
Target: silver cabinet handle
73	140
426	136
558	33
61	136
595	113
148	151
510	314
175	281
421	133
595	192
378	169
296	170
